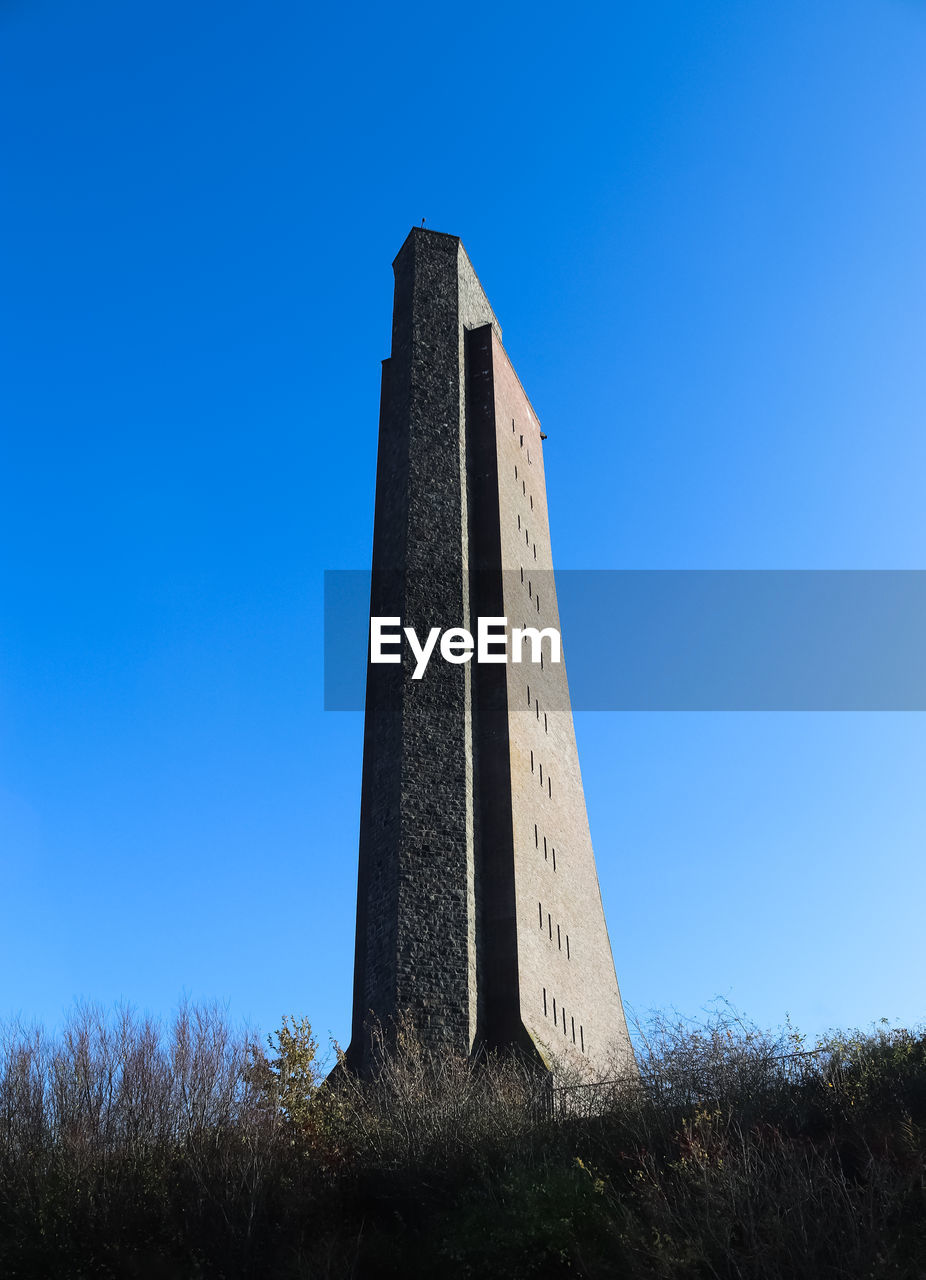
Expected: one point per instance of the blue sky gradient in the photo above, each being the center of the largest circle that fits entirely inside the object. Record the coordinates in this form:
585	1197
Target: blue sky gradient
701	227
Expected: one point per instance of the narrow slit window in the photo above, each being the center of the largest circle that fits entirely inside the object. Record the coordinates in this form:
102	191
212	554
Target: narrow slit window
523	485
535	550
540	910
512	426
532	762
550	925
559	938
519	522
544	846
527	538
582	1038
528	695
545	1002
529	463
554	859
537	837
545	727
554	1008
522	441
532	502
541	659
541	775
537	707
515	471
564	1022
573	1030
530	589
522	572
537	597
568	956
549	787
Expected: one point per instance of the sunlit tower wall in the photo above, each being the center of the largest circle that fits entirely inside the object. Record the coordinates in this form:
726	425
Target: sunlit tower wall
479	914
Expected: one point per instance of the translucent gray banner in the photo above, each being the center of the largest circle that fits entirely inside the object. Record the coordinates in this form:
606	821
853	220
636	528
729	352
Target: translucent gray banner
701	640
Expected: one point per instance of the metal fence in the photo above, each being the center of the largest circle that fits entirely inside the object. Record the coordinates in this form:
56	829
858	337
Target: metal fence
684	1087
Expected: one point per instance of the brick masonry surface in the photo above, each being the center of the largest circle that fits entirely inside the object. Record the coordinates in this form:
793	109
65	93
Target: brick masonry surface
479	912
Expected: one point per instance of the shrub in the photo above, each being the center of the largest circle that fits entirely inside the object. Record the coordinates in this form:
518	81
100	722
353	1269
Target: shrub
194	1150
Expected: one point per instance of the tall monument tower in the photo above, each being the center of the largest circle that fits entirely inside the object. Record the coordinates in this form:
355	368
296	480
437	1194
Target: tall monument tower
478	911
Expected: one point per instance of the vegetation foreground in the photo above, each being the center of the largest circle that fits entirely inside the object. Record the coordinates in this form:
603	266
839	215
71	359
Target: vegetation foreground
128	1150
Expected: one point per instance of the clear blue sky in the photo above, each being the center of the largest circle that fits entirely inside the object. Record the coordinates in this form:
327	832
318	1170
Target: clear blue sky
701	227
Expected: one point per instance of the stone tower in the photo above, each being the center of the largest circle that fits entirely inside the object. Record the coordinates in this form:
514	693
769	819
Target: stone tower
478	909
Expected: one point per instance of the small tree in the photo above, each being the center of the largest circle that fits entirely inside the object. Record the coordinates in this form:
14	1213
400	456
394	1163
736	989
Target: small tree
294	1073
